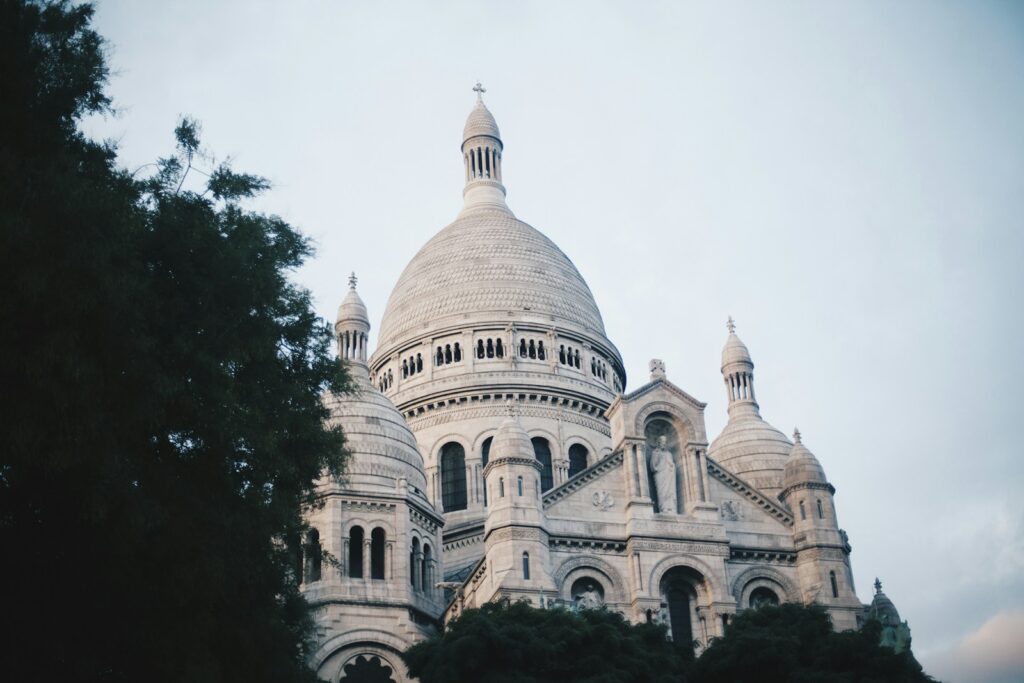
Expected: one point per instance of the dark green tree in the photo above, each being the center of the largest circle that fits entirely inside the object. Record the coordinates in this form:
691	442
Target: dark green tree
516	643
161	381
796	643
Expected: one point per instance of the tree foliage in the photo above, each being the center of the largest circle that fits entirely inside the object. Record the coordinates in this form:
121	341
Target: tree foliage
796	643
162	421
516	643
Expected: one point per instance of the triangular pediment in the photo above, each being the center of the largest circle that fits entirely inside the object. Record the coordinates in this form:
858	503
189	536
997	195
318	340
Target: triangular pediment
662	385
584	479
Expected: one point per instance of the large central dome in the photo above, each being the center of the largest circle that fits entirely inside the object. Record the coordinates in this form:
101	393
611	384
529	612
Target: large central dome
488	262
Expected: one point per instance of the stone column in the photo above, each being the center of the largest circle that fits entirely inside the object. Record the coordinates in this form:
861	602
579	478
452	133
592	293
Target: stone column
389	555
366	558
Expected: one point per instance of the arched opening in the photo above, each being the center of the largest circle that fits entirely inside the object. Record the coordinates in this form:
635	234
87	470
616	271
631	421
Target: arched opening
501	487
835	584
522	348
377	539
587	593
490	348
679	593
821	510
526	566
355	552
577	359
367	669
803	511
485	457
425	577
457	353
542	451
480	348
561	354
499	351
763	596
447	353
438	357
532	349
519	484
419	362
414	552
314	555
405	369
577	459
453	477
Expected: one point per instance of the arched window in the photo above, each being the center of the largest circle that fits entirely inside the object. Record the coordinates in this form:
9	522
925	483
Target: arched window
438	357
835	584
542	451
499	351
490	348
593	366
679	598
761	597
501	487
540	351
485	456
480	348
413	558
419	363
457	354
821	511
526	566
314	555
453	477
425	567
532	350
577	359
355	552
367	668
577	459
803	511
405	369
519	483
561	354
522	348
447	353
377	538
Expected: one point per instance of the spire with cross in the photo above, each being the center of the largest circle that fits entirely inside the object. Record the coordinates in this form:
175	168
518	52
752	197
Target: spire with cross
479	90
352	280
730	325
796	436
878	585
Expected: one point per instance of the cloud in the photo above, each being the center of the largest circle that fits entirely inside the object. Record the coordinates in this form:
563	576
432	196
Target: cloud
991	654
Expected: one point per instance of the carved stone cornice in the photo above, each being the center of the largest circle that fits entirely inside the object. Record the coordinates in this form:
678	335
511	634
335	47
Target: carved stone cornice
592	473
769	555
601	545
759	499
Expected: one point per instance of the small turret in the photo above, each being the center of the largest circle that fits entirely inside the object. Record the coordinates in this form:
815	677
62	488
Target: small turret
482	150
352	328
895	633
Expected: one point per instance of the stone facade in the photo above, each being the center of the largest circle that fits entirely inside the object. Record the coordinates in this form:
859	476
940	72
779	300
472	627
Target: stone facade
492	427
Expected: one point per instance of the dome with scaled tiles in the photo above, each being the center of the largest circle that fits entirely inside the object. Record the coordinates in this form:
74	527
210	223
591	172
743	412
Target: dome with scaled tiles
488	264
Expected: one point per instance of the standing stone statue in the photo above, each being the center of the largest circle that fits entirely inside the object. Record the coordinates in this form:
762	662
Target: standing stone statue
664	471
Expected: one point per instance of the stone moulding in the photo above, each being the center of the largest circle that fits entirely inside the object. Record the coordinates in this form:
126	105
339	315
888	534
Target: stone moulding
749	492
592	473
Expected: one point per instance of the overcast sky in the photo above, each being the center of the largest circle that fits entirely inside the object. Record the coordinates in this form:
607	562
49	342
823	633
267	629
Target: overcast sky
845	179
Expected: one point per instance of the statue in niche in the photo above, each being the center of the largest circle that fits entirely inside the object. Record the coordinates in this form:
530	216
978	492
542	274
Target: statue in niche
588	597
664	470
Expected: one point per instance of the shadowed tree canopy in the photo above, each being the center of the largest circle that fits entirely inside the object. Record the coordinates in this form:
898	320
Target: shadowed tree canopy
162	421
796	643
516	643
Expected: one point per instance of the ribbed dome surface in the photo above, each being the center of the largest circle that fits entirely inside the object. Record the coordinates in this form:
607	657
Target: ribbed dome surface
883	609
753	450
803	468
484	265
511	441
735	351
480	122
353	308
382	446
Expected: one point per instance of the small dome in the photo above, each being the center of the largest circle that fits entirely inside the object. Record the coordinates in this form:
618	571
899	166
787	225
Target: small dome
352	307
882	609
382	447
802	467
511	441
480	122
735	351
753	450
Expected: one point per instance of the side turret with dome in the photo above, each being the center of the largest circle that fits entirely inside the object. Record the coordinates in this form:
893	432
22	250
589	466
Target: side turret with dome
378	596
748	446
491	309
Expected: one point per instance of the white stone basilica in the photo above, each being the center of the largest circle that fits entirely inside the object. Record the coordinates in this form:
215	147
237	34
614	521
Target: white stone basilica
496	455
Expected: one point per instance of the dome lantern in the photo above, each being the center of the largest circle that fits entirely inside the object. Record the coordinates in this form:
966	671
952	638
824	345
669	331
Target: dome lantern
352	327
482	151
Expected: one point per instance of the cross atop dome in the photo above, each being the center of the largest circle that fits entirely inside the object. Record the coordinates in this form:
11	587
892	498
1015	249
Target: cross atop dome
878	585
352	280
479	90
730	325
796	435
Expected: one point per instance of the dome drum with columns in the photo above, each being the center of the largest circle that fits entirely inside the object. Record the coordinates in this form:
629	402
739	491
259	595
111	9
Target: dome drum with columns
497	455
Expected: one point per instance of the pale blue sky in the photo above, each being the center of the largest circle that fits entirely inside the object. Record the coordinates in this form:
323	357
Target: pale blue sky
846	179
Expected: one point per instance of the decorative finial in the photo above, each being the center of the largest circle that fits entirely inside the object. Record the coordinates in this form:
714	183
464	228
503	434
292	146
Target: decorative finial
878	585
731	325
352	280
479	90
511	407
796	436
